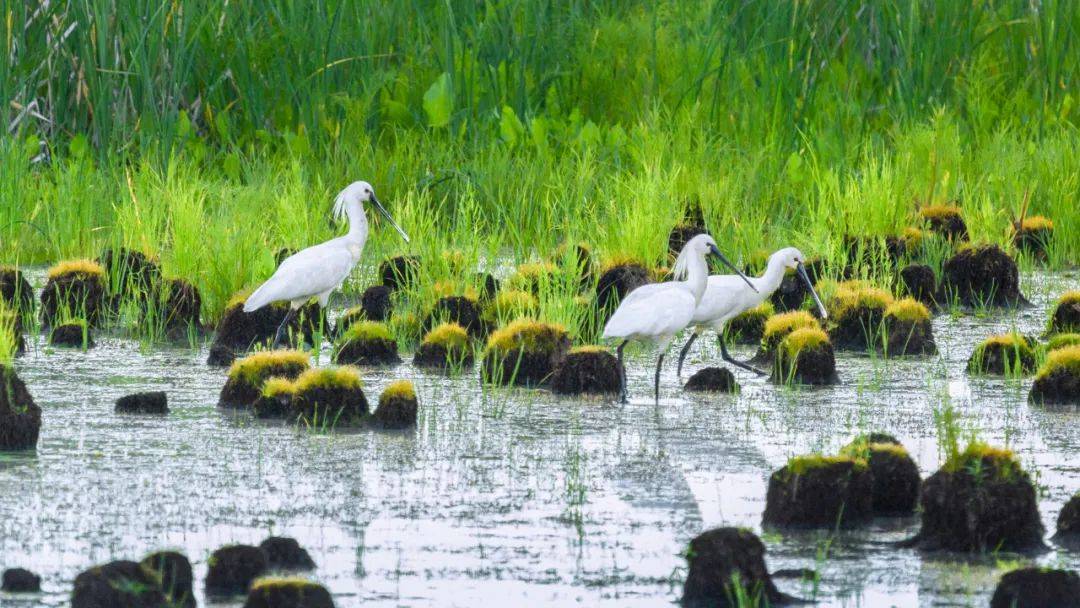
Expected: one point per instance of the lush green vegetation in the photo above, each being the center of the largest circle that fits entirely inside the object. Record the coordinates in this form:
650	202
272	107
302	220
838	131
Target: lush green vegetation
211	134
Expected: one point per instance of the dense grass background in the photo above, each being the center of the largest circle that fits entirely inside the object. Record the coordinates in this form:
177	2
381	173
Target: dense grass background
210	133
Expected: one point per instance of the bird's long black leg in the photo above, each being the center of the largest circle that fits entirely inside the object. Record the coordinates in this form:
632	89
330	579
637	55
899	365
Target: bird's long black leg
656	382
682	353
622	372
724	354
284	325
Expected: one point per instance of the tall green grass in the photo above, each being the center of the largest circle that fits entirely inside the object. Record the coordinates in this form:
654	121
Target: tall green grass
211	134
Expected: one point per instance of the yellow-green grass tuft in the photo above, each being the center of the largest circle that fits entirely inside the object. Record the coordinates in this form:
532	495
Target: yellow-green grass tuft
1010	340
804	338
1069	297
939	212
455	260
252	368
532	275
511	303
238	298
449	287
1062	359
620	259
84	267
276	386
339	377
908	310
278	582
399	389
847	300
448	335
1063	340
913	236
800	465
861	447
761	311
787	322
366	330
1036	223
588	349
977	454
526	335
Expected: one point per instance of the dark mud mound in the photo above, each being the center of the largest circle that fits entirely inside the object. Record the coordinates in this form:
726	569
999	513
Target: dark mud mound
328	398
376	303
1058	381
1068	523
980	500
400	272
284	553
908	330
820	492
920	283
461	310
982	275
589	370
524	353
75	334
1003	355
1066	315
945	220
173	570
20	417
239	331
153	402
445	347
288	593
1033	236
74	290
366	343
131	274
247	375
778	327
792	293
1037	588
618	280
232	569
723	563
857	318
20	580
805	356
119	584
15	290
398	406
896	476
712	380
179	305
749	327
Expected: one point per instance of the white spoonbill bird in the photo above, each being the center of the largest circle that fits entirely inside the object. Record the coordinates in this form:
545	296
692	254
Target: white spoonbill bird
726	297
658	311
320	269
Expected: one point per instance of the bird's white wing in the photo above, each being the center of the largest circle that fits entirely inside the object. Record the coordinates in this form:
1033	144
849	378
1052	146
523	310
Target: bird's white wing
725	295
652	311
305	274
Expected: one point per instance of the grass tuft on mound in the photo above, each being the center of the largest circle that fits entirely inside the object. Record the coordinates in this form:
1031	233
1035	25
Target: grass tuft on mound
84	267
253	367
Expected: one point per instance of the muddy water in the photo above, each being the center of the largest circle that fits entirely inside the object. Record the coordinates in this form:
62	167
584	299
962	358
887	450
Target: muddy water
506	497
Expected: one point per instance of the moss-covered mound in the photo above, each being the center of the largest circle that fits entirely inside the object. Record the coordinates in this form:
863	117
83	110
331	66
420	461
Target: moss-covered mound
587	370
723	563
908	329
712	380
173	571
896	476
247	375
1058	380
366	343
119	584
1005	354
792	293
681	234
1037	588
805	357
445	347
20	417
329	398
945	220
73	334
982	275
1066	315
777	327
288	593
980	500
1068	522
509	305
1033	235
20	580
15	290
131	274
919	282
576	260
239	331
231	569
820	492
74	290
857	316
749	326
284	553
618	279
1061	341
400	272
178	306
461	310
524	353
151	402
375	305
398	406
275	400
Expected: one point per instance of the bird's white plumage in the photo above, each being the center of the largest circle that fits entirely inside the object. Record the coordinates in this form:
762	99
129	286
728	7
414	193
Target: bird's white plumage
319	270
727	296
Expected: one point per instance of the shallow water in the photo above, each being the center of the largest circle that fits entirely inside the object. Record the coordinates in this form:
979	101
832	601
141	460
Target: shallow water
507	497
